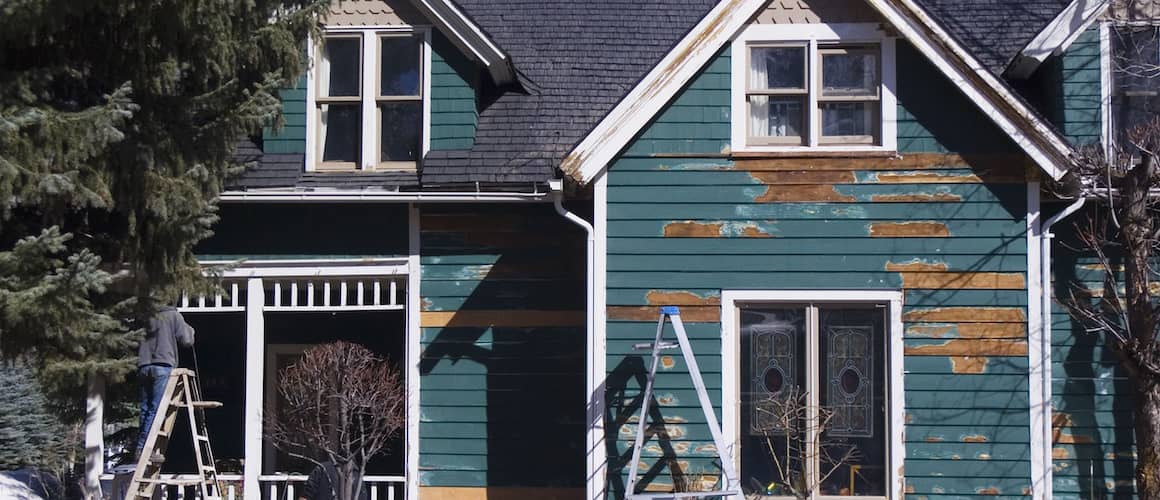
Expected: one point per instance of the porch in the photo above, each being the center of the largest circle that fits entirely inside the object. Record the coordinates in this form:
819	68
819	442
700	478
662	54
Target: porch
269	312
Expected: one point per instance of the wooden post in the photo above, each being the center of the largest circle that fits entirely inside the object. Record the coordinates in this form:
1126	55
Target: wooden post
94	437
255	354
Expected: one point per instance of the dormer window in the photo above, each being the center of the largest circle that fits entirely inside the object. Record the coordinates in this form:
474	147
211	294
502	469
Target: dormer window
813	87
368	88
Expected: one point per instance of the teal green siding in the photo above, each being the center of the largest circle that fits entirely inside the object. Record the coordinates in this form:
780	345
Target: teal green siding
1068	91
453	108
683	221
501	405
1094	443
291	138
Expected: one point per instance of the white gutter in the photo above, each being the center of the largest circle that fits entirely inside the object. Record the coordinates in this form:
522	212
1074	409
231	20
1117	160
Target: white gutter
593	437
360	196
1045	351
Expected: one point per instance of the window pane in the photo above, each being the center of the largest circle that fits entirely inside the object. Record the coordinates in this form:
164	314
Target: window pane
773	399
853	73
400	124
1136	77
852	393
848	118
777	68
341	132
399	67
771	116
340	67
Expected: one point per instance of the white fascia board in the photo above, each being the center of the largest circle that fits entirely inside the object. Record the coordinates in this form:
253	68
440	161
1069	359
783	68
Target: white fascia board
657	88
1057	36
466	35
1050	151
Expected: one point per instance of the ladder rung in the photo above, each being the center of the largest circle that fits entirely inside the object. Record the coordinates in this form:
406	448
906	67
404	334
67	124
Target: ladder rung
647	346
180	482
201	437
200	404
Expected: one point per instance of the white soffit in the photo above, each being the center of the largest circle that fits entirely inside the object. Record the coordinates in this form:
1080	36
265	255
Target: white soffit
1056	36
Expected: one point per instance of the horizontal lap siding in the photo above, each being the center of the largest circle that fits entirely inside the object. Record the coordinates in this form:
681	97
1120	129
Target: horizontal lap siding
1080	112
453	109
291	138
502	369
1094	449
950	232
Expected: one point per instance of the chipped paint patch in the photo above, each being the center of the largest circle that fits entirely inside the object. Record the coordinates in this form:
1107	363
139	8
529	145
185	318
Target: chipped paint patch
964	281
667	362
934	439
988	491
691	229
915	161
667	400
967	330
1061	432
983	456
967	314
510	318
690	314
1060	454
916	198
658	431
780	178
968	365
681	298
916	265
427	304
970	347
730	229
913	229
806	193
975	438
919	177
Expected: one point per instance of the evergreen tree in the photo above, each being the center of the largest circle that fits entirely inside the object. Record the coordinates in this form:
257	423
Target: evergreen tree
31	434
118	120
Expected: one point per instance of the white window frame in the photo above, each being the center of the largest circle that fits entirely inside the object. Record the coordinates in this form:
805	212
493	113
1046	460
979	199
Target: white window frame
731	366
812	35
370	114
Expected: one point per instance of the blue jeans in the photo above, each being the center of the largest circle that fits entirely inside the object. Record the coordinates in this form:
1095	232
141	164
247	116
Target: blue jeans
152	379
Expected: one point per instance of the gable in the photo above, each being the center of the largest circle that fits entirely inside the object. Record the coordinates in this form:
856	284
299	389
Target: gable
372	13
999	103
815	12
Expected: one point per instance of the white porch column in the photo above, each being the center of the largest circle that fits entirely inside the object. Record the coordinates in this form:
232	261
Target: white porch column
255	354
94	437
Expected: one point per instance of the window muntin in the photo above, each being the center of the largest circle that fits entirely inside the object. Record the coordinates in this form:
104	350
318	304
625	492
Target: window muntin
847	92
831	360
369	100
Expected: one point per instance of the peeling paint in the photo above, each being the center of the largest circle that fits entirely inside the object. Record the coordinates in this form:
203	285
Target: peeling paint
934	439
967	314
916	198
988	491
971	347
1062	434
913	229
1060	454
780	178
983	456
916	265
928	178
967	330
965	281
722	229
975	438
968	364
690	314
681	298
667	362
806	193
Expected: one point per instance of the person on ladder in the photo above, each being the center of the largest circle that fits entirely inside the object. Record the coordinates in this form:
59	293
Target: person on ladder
156	359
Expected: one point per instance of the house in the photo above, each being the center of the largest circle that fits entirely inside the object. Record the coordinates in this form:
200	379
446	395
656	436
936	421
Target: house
844	197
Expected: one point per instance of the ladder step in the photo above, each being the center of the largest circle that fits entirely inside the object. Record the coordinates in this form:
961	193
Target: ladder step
200	404
647	346
178	482
201	437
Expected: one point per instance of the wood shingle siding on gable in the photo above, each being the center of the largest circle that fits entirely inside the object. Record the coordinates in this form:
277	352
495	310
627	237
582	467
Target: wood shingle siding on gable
502	367
1093	452
946	223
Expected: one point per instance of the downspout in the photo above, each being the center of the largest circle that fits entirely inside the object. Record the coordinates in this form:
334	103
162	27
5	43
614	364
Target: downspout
1045	312
591	440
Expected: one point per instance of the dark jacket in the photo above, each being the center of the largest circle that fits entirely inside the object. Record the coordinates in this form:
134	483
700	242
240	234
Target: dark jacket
165	332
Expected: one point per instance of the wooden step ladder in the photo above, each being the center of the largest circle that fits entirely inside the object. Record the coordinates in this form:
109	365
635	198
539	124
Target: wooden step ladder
181	391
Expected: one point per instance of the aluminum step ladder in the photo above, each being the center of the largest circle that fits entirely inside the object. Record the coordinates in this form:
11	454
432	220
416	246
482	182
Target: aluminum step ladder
731	485
181	391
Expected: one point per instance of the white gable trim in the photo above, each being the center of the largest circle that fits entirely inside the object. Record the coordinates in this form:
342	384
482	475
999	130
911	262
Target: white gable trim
468	36
593	154
1057	36
613	133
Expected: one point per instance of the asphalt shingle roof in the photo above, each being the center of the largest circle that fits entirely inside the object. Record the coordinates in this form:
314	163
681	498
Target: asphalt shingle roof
577	59
995	31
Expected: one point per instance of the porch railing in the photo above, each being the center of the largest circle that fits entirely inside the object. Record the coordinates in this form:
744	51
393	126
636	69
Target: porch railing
274	487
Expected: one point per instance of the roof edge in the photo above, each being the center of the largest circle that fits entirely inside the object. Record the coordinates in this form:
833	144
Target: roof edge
1056	37
591	155
469	37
